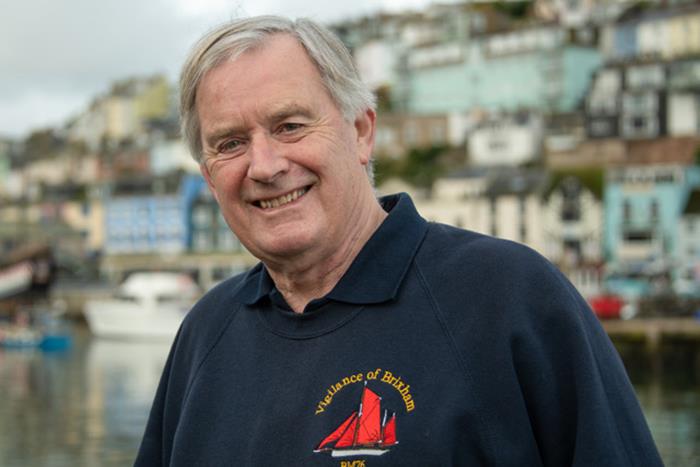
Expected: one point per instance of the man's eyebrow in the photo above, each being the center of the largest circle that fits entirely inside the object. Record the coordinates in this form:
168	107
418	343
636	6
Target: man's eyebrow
290	110
221	133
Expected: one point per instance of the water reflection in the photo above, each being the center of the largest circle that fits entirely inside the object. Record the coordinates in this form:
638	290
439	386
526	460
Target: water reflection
673	413
88	406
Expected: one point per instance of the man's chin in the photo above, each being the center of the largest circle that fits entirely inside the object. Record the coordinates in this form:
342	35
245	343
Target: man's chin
288	246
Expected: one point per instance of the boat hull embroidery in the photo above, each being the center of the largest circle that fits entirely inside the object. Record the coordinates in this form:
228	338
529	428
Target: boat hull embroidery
366	432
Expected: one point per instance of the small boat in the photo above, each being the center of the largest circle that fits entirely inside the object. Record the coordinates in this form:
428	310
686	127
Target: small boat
35	329
26	272
19	337
365	432
147	305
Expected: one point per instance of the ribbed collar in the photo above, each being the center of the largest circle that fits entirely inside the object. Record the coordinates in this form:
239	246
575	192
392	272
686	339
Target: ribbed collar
376	274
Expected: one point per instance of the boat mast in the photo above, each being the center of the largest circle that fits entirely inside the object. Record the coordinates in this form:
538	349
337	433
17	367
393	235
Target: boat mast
381	432
359	416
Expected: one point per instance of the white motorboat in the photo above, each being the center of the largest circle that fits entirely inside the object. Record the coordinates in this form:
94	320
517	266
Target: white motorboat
147	305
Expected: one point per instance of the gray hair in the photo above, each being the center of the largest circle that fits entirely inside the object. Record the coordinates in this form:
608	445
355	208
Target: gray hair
230	40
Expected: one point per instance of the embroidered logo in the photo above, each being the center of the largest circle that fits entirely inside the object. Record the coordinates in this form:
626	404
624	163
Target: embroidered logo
367	431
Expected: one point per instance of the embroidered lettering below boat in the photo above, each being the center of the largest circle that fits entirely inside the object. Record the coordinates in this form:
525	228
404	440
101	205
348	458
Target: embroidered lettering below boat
365	432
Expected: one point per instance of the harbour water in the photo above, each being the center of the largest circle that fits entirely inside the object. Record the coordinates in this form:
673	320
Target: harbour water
88	406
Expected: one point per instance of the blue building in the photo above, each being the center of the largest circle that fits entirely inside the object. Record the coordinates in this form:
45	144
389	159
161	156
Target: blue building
643	209
207	229
688	281
535	69
150	216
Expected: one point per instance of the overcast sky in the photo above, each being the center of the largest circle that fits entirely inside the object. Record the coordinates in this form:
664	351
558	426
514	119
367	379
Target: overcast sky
56	55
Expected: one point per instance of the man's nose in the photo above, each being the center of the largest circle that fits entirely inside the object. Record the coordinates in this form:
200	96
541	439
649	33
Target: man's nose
267	161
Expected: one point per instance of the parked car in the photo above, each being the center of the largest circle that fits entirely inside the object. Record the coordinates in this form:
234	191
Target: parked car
607	306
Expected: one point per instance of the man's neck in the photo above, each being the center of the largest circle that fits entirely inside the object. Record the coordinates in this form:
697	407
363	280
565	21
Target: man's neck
305	279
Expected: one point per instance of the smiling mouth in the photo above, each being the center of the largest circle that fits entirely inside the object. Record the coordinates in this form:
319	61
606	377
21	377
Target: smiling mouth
282	200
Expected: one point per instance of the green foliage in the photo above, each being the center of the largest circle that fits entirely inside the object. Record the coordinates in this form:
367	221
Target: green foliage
384	169
514	9
697	156
420	167
41	144
591	177
383	96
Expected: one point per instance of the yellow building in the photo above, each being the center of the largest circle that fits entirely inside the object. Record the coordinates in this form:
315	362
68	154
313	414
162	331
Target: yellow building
683	35
153	101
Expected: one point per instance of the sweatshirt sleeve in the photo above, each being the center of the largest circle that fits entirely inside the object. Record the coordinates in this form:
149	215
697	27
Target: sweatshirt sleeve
536	356
580	402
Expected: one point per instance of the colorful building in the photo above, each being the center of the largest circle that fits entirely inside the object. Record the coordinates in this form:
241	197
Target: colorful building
687	282
643	210
535	69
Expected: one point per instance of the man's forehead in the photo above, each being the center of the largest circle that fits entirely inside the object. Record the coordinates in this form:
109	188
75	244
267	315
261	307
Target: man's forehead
284	44
279	59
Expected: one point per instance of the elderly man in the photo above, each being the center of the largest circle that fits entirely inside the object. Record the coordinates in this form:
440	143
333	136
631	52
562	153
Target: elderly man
366	335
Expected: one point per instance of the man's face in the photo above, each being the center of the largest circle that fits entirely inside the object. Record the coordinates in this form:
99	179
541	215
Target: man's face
286	169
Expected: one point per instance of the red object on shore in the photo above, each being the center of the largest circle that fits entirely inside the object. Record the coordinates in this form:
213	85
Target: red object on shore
607	306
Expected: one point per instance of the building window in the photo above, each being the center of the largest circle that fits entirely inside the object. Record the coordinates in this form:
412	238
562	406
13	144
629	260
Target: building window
641	236
644	126
202	216
202	241
572	249
654	210
601	128
385	137
647	76
523	218
626	211
228	241
571	200
640	103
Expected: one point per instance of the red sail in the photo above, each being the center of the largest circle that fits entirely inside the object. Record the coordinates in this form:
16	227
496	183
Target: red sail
345	428
346	438
390	432
369	431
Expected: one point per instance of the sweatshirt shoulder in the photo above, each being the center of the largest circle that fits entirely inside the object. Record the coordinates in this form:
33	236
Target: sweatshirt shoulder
214	309
468	273
464	250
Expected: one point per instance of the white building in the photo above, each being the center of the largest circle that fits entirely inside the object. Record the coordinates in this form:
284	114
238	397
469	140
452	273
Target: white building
171	155
562	219
509	140
458	199
502	203
61	169
377	62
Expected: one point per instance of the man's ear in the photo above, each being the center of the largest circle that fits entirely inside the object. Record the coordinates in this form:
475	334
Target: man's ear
207	176
365	125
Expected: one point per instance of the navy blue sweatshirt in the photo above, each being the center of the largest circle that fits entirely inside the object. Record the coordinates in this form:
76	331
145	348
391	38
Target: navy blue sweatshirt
438	347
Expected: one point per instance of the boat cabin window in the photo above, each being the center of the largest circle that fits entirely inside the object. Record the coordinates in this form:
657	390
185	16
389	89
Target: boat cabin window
168	298
125	297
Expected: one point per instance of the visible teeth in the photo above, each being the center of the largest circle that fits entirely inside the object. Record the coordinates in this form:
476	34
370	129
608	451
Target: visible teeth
282	200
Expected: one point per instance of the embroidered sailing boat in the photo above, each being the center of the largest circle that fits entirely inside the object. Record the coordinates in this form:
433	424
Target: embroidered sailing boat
364	433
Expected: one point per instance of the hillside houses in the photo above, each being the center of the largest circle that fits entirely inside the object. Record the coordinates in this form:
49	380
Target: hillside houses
570	126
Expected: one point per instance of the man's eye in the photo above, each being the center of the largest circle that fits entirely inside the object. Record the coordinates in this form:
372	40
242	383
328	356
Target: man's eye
290	127
229	146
